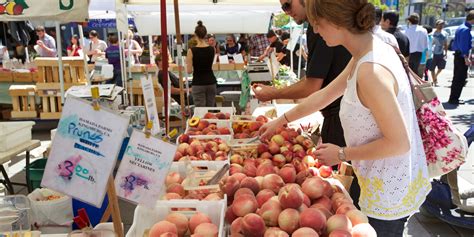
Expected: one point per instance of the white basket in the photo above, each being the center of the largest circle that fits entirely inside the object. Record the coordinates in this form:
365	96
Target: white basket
204	166
145	217
219	123
227	138
201	111
14	134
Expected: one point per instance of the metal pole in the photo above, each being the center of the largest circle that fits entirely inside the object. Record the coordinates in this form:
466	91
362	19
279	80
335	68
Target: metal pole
300	54
60	60
150	49
180	62
83	43
123	67
164	53
443	12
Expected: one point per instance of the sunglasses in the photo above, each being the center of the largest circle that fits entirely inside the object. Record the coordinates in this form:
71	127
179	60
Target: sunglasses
286	7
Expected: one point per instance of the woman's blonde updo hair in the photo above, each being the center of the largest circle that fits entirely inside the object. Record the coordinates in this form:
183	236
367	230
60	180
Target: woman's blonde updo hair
357	16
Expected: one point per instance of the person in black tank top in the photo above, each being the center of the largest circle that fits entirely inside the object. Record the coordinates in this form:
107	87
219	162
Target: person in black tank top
199	62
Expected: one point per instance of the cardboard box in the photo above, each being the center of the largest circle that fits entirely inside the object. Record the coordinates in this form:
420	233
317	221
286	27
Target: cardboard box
240	66
6	76
227	67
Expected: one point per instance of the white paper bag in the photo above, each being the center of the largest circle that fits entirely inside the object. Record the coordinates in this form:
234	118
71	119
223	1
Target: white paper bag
53	216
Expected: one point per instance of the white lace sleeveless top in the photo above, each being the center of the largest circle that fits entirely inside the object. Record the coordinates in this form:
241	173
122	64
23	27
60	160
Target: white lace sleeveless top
392	187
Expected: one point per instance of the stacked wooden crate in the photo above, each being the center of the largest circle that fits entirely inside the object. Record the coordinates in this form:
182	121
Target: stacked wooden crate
23	101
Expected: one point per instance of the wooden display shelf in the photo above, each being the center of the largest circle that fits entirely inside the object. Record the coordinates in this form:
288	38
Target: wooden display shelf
73	69
25	76
50	94
23	101
6	76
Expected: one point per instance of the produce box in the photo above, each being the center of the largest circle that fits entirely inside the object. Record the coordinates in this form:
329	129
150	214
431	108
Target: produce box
14	134
205	147
146	217
209	127
6	76
214	113
246	127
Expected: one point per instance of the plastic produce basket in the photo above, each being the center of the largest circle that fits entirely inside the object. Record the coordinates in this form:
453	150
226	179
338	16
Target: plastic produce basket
36	170
145	217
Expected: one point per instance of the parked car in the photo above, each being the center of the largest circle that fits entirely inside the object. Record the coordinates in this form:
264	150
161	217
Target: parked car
454	22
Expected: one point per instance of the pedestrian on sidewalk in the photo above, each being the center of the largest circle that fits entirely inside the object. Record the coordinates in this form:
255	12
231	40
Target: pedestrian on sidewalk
418	37
461	47
389	23
440	51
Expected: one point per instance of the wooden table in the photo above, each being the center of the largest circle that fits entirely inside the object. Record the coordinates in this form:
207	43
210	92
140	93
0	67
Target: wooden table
8	155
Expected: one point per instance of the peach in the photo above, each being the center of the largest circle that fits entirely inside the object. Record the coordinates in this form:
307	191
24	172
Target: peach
305	232
235	168
288	156
262	148
253	225
162	227
299	166
198	219
182	148
242	192
307	143
290	197
344	208
306	200
170	196
183	139
363	230
300	154
244	205
313	218
236	226
229	215
325	171
263	196
297	147
168	234
288	174
339	202
288	220
328	190
250	170
236	159
338	195
313	187
269	212
259	181
300	139
224	131
239	176
278	139
265	169
262	119
173	177
275	232
284	149
180	221
340	233
250	183
231	186
207	230
213	197
176	188
279	160
302	176
357	217
266	155
250	161
177	156
325	211
273	182
308	161
273	148
338	222
323	201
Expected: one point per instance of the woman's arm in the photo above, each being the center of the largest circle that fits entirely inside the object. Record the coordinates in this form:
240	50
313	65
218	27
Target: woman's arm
377	90
189	62
138	49
311	104
70	53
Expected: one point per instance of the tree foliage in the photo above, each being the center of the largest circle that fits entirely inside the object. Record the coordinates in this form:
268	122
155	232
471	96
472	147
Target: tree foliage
281	19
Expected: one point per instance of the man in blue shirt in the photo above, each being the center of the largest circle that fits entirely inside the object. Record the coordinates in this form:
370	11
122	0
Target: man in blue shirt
461	47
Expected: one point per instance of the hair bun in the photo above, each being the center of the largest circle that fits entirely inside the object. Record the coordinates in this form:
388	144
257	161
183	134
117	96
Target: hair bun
199	23
365	17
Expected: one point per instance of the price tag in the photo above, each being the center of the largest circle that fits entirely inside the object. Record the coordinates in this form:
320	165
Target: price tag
150	103
31	93
84	151
142	172
51	93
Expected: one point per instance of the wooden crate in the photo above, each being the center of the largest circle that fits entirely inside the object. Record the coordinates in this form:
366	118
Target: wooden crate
23	101
139	100
6	76
23	77
50	94
73	69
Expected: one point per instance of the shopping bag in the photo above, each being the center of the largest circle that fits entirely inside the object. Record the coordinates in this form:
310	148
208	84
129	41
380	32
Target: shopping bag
51	212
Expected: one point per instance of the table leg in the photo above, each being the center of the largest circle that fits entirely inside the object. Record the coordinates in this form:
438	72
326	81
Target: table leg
8	184
27	172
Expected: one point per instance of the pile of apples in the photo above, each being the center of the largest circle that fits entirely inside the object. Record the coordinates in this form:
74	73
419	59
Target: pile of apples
178	225
205	127
244	128
175	190
284	203
196	149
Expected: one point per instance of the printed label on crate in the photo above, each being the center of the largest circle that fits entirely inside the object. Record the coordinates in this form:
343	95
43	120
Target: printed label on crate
150	102
84	151
143	169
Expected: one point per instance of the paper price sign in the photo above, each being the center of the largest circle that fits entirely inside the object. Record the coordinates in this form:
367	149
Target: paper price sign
150	103
84	151
144	168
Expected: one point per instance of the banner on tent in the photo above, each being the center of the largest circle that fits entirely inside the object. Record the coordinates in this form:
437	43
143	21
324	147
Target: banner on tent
57	10
106	23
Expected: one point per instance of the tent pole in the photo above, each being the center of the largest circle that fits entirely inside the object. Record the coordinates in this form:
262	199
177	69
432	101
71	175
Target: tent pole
300	53
83	43
60	60
150	49
179	47
123	67
164	53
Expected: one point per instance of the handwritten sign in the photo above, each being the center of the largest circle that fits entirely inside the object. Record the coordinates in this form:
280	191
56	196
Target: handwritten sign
143	170
84	151
150	103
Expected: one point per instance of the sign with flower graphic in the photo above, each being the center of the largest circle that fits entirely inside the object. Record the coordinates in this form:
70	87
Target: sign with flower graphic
55	10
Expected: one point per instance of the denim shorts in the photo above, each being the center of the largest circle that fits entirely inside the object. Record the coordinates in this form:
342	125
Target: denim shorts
384	228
